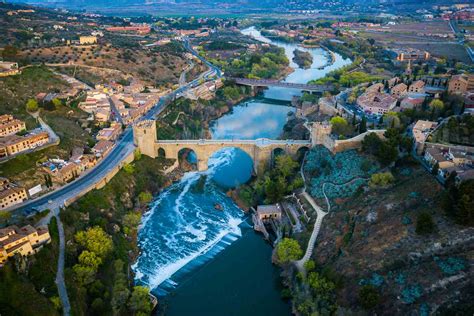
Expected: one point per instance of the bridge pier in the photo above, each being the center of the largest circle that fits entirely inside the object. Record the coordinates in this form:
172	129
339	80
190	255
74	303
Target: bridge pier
202	164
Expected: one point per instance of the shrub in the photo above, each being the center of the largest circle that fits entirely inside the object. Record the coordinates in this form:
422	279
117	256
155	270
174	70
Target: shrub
32	105
128	168
381	179
369	297
425	224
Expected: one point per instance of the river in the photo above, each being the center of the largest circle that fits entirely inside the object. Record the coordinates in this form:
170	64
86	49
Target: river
203	261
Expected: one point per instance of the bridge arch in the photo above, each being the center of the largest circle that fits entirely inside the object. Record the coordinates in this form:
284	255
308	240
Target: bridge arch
161	152
188	159
301	152
231	166
277	151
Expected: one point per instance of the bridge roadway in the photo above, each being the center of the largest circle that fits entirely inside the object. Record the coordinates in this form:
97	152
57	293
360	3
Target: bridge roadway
233	142
275	83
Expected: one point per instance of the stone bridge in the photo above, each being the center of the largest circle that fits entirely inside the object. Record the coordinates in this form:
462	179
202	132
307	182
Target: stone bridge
261	151
319	88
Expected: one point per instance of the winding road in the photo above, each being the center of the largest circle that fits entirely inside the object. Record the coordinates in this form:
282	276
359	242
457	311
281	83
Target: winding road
56	199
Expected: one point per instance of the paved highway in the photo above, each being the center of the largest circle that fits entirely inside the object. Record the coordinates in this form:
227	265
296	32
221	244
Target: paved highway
123	148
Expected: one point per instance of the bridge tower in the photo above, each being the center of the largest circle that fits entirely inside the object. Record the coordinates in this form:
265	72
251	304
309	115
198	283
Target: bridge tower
145	136
319	132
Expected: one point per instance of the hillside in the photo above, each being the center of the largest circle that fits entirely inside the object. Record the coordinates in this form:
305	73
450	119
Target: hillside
371	240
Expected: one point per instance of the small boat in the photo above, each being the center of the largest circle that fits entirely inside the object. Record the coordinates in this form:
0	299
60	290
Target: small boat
218	207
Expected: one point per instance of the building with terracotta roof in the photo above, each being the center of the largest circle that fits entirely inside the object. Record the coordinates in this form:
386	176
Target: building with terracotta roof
269	212
417	86
15	144
24	241
469	103
376	103
377	87
393	82
102	147
11	196
10	125
421	130
399	90
409	103
460	84
110	133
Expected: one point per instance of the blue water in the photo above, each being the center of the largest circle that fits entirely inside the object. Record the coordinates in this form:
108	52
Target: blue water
189	249
252	120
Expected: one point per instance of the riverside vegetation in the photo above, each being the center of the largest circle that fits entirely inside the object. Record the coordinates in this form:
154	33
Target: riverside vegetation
101	231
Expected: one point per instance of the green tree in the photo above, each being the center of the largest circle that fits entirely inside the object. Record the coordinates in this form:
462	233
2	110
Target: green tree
381	179
310	265
90	259
5	216
129	168
274	189
95	240
139	301
340	126
286	165
288	250
120	291
466	209
425	224
32	105
145	197
387	154
371	143
57	103
437	105
84	275
369	297
137	155
320	285
363	125
131	221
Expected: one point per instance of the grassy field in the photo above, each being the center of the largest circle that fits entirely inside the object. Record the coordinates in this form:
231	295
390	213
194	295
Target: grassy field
16	90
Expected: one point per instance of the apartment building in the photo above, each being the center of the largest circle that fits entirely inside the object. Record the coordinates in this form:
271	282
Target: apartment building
24	241
9	125
11	196
15	144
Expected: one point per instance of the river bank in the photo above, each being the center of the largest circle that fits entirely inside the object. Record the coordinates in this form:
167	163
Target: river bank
183	233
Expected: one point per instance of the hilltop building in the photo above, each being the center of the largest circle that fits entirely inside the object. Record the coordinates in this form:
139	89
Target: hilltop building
87	40
9	69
